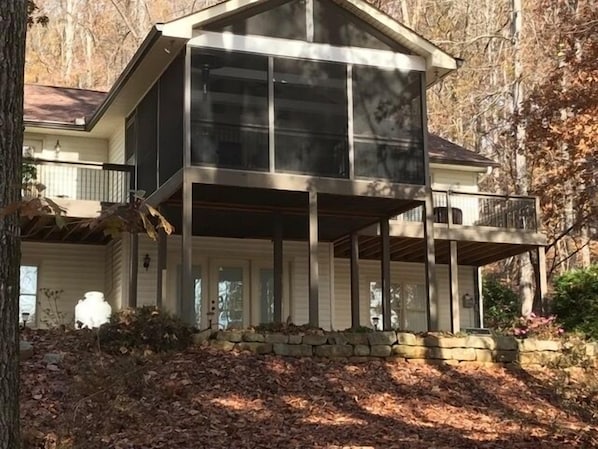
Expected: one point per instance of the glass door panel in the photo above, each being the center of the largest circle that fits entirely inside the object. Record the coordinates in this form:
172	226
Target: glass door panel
231	296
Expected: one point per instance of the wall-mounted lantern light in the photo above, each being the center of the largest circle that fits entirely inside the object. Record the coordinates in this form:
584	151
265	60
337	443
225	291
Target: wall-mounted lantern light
57	148
467	301
146	261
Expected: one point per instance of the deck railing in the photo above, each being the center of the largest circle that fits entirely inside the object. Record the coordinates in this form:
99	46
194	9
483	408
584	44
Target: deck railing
107	183
480	209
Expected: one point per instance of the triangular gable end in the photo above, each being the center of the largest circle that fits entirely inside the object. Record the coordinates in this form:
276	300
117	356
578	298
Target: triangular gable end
438	62
326	23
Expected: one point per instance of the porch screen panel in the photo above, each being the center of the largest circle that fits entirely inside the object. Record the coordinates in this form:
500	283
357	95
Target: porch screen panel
310	125
147	142
170	144
229	110
286	21
335	26
388	132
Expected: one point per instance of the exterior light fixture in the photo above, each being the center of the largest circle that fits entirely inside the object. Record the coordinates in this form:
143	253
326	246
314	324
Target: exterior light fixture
467	301
146	261
25	316
57	148
375	322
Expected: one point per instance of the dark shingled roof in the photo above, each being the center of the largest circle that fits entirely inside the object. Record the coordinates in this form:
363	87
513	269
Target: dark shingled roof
62	105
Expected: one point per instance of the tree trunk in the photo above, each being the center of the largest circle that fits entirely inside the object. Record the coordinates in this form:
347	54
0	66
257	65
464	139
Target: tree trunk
13	25
526	271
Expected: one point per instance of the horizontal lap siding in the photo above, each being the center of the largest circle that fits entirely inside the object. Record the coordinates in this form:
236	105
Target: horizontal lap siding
76	269
116	146
83	149
369	271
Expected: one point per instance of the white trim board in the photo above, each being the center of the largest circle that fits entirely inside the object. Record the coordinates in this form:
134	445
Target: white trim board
302	50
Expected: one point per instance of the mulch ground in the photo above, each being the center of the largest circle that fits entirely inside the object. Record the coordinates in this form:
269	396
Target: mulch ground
206	399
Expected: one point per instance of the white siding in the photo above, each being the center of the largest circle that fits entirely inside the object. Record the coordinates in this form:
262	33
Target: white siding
76	269
83	149
116	146
115	273
463	180
369	271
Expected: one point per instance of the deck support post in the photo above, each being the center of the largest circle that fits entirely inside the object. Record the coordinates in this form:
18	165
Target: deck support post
186	306
277	267
314	314
454	289
430	264
161	266
355	319
133	268
455	309
385	271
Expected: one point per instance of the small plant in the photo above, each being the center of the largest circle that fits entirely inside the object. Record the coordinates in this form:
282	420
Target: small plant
575	300
501	305
540	327
142	329
52	316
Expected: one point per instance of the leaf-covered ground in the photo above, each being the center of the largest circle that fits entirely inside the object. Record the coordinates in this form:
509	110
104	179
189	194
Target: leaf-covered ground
207	399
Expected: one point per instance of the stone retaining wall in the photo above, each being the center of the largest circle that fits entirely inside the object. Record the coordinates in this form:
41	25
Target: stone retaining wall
483	349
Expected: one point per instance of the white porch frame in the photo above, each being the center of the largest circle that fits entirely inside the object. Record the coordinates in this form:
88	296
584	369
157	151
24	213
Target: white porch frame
296	49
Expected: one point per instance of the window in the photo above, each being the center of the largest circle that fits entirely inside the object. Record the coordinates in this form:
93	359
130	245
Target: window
376	304
266	295
407	306
28	293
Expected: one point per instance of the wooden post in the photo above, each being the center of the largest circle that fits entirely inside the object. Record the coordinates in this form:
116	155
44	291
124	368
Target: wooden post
430	264
385	271
277	267
161	265
186	307
455	309
355	320
133	269
314	314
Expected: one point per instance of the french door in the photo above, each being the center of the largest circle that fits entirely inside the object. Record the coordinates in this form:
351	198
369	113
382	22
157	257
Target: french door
229	294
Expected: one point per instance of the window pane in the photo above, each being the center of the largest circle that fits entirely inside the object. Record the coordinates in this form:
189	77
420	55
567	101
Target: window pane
310	104
266	295
335	26
28	293
229	109
388	125
395	304
197	288
286	21
230	297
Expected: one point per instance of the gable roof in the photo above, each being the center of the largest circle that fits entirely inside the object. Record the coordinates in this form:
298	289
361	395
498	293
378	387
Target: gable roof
48	105
439	63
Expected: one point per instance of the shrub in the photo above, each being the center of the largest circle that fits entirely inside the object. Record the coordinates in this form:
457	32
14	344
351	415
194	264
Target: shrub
144	328
501	305
575	300
540	327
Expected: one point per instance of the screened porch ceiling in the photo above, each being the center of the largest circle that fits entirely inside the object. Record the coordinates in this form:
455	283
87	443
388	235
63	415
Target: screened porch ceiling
242	212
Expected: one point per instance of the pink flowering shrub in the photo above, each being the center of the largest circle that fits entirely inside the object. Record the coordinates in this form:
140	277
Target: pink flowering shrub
540	327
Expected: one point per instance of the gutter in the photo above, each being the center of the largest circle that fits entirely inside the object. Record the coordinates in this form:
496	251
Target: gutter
154	34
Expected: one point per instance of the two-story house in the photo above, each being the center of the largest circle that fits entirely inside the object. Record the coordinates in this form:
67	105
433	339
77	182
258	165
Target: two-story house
287	143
